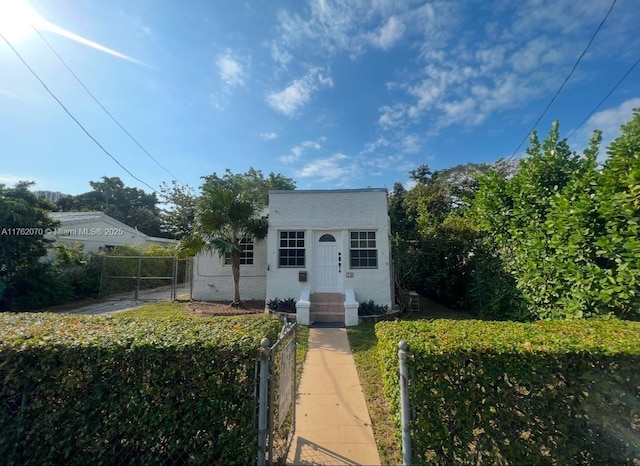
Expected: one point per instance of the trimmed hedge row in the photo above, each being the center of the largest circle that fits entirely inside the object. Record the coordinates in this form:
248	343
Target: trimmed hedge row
100	390
550	392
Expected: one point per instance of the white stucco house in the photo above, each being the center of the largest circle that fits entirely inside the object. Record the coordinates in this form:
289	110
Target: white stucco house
328	249
97	231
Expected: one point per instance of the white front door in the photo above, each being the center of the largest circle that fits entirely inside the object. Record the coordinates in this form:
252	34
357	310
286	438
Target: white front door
328	262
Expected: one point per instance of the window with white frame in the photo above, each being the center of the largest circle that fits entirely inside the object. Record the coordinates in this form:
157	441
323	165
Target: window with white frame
246	255
291	252
362	250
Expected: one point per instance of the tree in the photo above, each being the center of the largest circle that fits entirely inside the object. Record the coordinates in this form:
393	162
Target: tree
179	216
252	184
618	199
224	217
24	224
431	241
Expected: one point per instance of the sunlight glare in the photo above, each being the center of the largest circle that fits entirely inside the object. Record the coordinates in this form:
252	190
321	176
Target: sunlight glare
17	19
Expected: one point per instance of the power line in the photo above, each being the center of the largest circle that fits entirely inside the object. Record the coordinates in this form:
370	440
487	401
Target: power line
102	106
71	115
565	80
605	97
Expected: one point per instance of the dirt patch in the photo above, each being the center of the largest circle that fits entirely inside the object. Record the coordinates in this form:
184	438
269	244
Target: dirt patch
224	308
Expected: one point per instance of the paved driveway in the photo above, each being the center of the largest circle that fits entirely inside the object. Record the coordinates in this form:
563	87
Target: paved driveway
123	302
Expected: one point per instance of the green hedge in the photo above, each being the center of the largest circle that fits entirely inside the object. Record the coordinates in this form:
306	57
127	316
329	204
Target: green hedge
550	392
100	390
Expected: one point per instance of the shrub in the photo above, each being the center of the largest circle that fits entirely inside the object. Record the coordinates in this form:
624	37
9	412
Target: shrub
80	390
370	308
282	305
550	392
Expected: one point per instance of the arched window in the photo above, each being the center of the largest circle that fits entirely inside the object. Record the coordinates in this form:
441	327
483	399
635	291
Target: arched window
327	238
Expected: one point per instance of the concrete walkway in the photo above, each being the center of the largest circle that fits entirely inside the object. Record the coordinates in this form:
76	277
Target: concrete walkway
332	419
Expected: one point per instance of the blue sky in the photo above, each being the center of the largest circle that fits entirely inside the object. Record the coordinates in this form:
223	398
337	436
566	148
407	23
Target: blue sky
333	93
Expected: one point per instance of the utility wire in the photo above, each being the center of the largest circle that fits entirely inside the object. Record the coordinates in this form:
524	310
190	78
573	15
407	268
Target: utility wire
605	97
71	115
565	80
102	106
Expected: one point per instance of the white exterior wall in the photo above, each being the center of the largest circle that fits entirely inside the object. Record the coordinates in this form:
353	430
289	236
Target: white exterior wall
338	211
213	281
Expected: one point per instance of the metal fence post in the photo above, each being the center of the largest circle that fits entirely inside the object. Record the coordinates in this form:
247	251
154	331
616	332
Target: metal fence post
263	397
404	403
138	277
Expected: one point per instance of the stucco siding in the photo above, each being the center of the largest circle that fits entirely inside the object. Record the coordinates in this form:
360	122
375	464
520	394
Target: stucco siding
213	281
337	211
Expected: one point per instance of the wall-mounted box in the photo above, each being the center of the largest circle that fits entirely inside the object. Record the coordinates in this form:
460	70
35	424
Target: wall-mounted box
349	274
302	276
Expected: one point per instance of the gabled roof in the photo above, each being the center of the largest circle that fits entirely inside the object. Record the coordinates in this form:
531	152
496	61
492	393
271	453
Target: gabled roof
67	219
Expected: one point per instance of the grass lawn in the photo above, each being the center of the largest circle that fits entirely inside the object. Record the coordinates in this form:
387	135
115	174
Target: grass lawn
363	341
301	350
164	309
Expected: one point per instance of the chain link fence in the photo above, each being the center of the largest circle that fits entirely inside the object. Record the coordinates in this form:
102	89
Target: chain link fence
276	390
137	277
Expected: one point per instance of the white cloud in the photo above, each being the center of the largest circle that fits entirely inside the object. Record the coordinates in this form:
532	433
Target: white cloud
386	36
299	92
411	144
373	146
230	69
392	116
279	55
350	26
268	136
466	78
297	151
328	169
608	121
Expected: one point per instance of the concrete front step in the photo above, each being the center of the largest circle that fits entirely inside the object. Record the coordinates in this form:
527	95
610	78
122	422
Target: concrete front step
327	297
326	307
326	316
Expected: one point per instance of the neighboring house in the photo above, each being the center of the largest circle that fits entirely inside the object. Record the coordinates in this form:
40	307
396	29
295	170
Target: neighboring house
327	249
97	231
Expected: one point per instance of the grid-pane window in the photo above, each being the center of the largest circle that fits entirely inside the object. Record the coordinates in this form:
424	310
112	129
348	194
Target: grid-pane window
291	249
363	251
246	256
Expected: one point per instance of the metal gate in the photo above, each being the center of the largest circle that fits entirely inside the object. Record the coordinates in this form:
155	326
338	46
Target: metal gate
276	394
146	278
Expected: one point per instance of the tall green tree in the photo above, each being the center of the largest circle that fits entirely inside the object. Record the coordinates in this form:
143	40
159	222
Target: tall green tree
253	185
23	226
224	218
431	241
179	214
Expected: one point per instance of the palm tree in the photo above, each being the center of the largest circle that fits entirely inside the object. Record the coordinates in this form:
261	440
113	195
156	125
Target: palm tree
223	220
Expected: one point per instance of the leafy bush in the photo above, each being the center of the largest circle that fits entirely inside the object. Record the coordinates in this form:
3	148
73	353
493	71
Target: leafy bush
565	230
282	305
549	392
82	390
369	308
39	286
